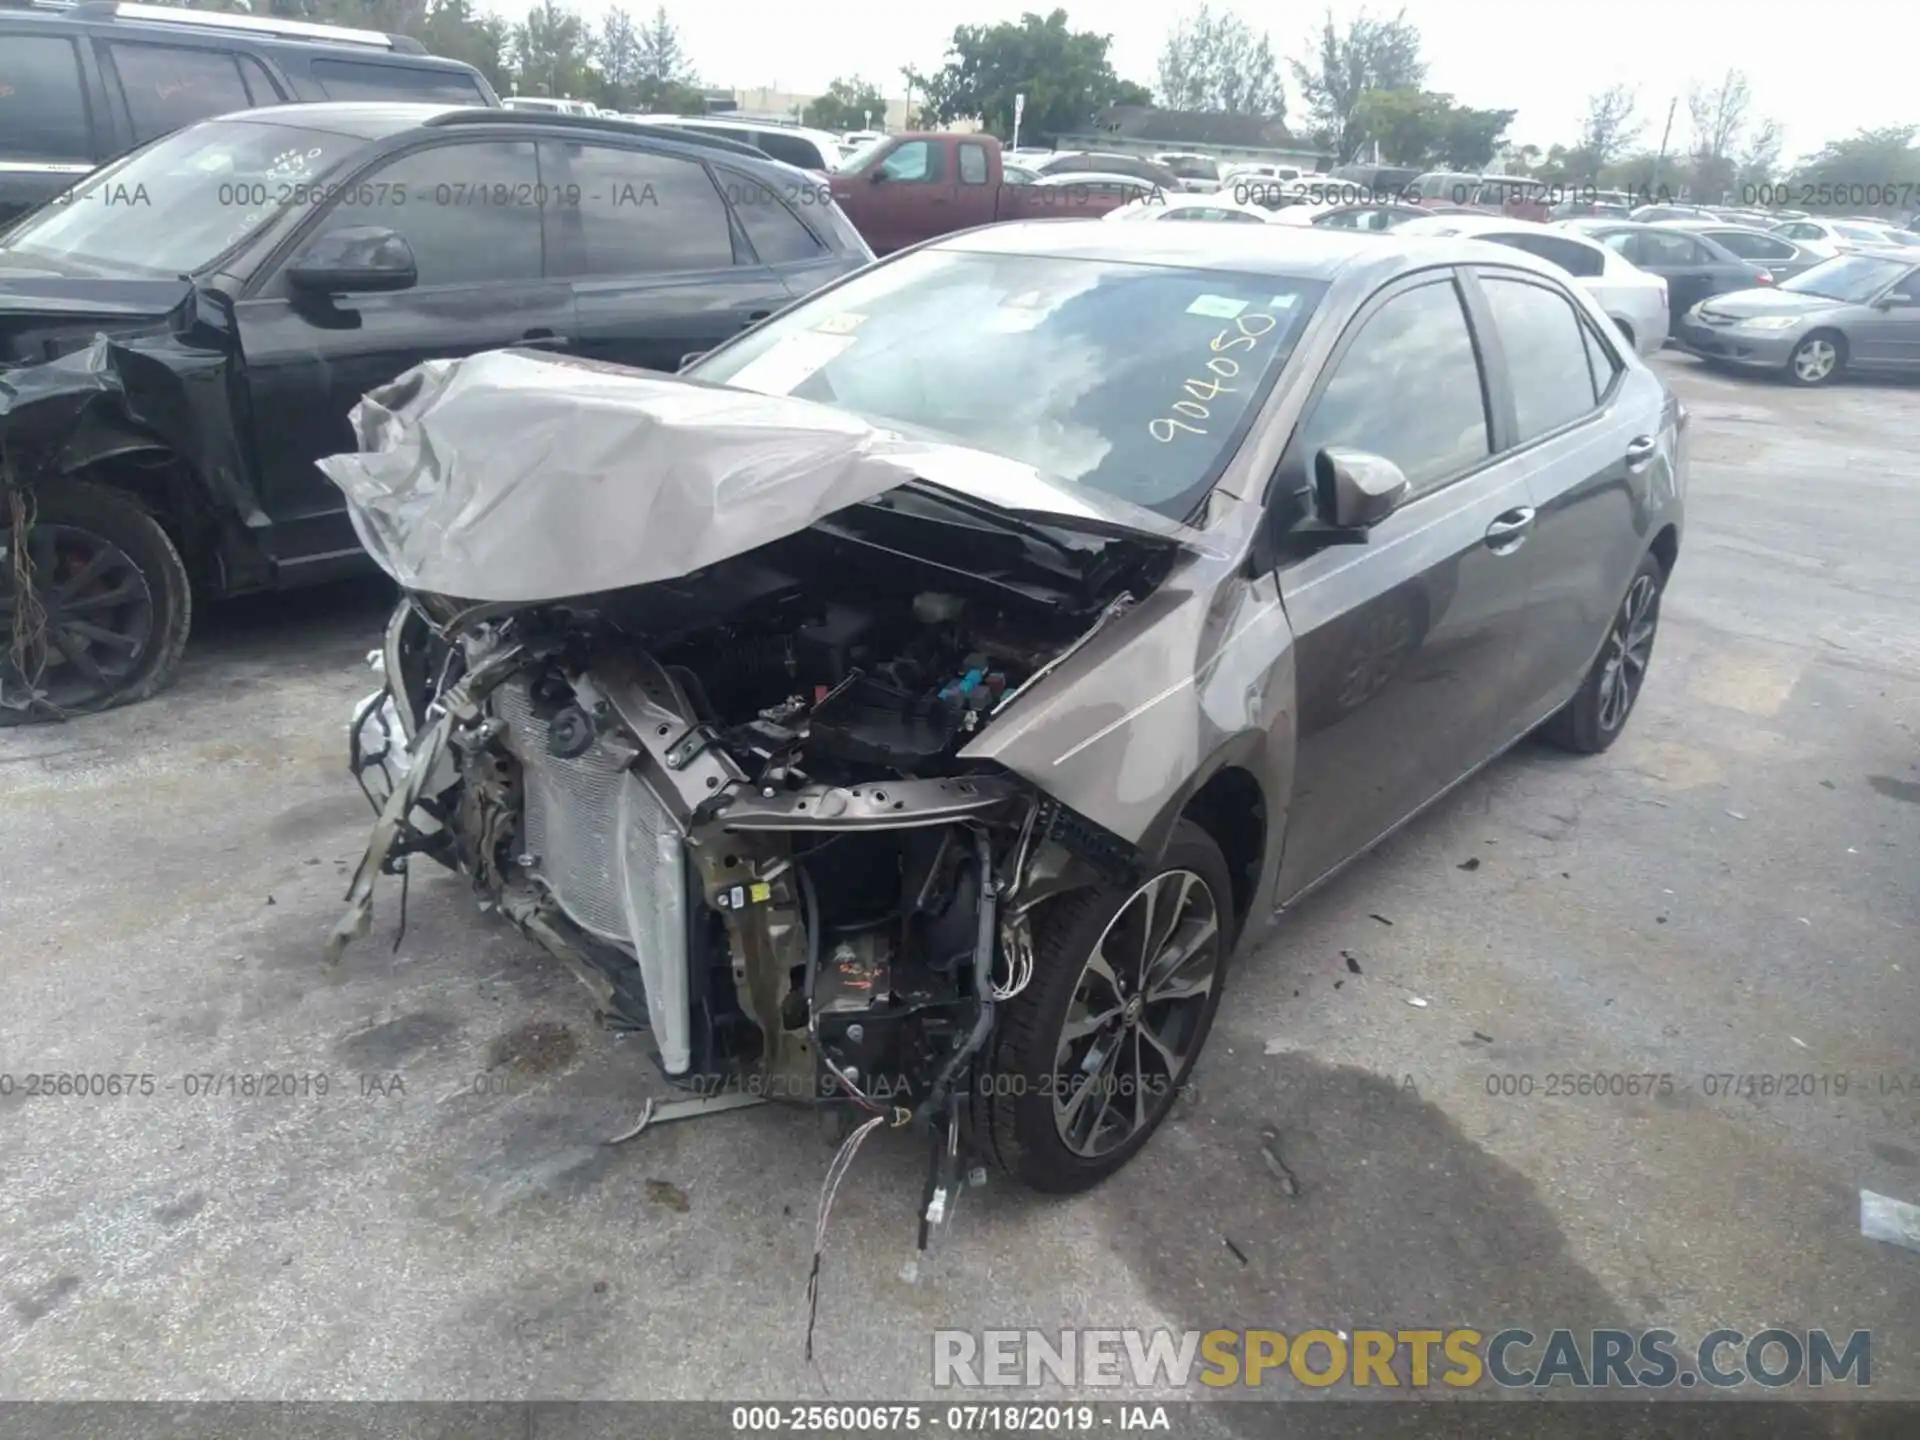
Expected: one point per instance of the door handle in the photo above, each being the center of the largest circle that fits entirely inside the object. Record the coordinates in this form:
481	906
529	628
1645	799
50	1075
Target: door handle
1640	453
1509	530
544	340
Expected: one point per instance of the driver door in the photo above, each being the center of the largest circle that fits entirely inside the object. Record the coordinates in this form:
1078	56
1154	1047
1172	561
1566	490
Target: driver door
1405	647
1890	338
469	210
907	197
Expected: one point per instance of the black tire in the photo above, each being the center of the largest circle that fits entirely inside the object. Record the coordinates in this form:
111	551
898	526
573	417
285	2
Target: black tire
1017	1085
132	645
1800	369
1594	718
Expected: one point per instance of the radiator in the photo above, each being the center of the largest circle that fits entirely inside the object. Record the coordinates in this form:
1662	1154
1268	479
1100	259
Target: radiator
612	856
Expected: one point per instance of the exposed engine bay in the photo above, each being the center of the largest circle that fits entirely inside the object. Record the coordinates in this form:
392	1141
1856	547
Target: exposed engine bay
734	804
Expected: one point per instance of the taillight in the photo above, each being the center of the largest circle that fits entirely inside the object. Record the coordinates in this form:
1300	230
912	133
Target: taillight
1763	277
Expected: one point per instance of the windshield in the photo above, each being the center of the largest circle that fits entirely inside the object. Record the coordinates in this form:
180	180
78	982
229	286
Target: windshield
1191	167
182	201
1444	185
1133	380
1853	278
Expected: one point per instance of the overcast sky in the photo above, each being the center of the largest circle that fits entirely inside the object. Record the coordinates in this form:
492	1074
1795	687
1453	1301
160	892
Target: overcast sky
1821	71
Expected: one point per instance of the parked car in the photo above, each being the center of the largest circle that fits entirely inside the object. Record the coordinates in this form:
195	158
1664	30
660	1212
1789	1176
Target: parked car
171	370
553	105
1444	187
1593	204
1065	162
82	84
796	145
1199	174
1257	170
1376	217
1656	214
1189	207
1635	301
910	188
1693	265
1373	182
1513	195
815	780
1778	256
1828	238
1859	311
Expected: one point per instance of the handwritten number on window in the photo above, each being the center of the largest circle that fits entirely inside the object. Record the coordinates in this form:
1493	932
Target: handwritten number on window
1220	368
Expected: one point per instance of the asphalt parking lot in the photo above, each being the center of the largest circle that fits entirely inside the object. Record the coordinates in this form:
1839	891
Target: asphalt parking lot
1733	890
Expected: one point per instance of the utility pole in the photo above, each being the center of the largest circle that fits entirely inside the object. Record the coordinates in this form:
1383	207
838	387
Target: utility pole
1660	164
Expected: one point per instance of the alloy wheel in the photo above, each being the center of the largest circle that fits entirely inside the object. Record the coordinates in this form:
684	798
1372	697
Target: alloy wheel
1629	647
1815	360
91	623
1136	1013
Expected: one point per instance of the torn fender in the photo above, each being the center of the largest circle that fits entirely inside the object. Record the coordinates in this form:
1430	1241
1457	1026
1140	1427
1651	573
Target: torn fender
170	387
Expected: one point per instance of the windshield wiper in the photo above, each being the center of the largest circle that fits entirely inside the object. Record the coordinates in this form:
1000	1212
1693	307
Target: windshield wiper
993	514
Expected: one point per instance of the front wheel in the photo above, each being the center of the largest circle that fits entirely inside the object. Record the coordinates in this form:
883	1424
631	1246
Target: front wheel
1816	359
94	608
1087	1060
1596	715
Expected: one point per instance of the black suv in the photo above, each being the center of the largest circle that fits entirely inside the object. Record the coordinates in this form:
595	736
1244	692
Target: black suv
183	335
82	83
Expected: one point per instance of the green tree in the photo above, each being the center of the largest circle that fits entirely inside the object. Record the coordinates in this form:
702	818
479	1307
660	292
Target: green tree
616	60
852	104
1064	74
1886	158
1607	131
1422	128
550	52
664	81
1216	62
1344	65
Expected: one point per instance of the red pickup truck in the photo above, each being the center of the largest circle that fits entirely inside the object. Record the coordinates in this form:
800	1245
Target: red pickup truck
909	188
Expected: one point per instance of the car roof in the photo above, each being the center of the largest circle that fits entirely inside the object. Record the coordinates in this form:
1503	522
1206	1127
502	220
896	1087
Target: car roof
1295	252
1474	222
362	119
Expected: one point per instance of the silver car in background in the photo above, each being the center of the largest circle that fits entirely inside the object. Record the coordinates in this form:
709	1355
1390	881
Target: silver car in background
1635	301
1855	312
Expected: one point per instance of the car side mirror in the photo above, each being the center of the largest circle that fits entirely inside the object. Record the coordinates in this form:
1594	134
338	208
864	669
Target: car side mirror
876	175
360	259
1354	489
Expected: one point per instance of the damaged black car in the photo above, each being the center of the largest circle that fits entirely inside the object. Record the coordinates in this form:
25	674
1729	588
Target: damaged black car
910	709
183	334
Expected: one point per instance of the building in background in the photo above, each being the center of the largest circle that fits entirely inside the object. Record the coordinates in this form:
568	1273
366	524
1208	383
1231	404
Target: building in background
769	102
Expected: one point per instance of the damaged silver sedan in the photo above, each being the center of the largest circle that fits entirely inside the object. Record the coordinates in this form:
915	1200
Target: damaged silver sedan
911	706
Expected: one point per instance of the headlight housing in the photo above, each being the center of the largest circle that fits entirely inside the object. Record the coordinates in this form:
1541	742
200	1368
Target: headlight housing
1770	322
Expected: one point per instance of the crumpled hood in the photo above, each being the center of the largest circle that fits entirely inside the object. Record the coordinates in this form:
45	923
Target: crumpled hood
514	477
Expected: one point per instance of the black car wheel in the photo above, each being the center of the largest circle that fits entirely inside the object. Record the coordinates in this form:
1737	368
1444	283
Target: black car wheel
1598	712
1087	1060
1817	359
95	606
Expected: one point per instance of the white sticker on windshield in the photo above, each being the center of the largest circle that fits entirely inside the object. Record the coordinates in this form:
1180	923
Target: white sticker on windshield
845	323
791	363
1217	307
1282	302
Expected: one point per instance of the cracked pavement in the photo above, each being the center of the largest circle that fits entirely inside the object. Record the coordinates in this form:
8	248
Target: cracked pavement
1730	891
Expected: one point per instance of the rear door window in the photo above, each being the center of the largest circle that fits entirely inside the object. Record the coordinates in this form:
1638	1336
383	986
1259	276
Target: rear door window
43	109
639	213
1570	255
357	80
1547	364
973	164
168	86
